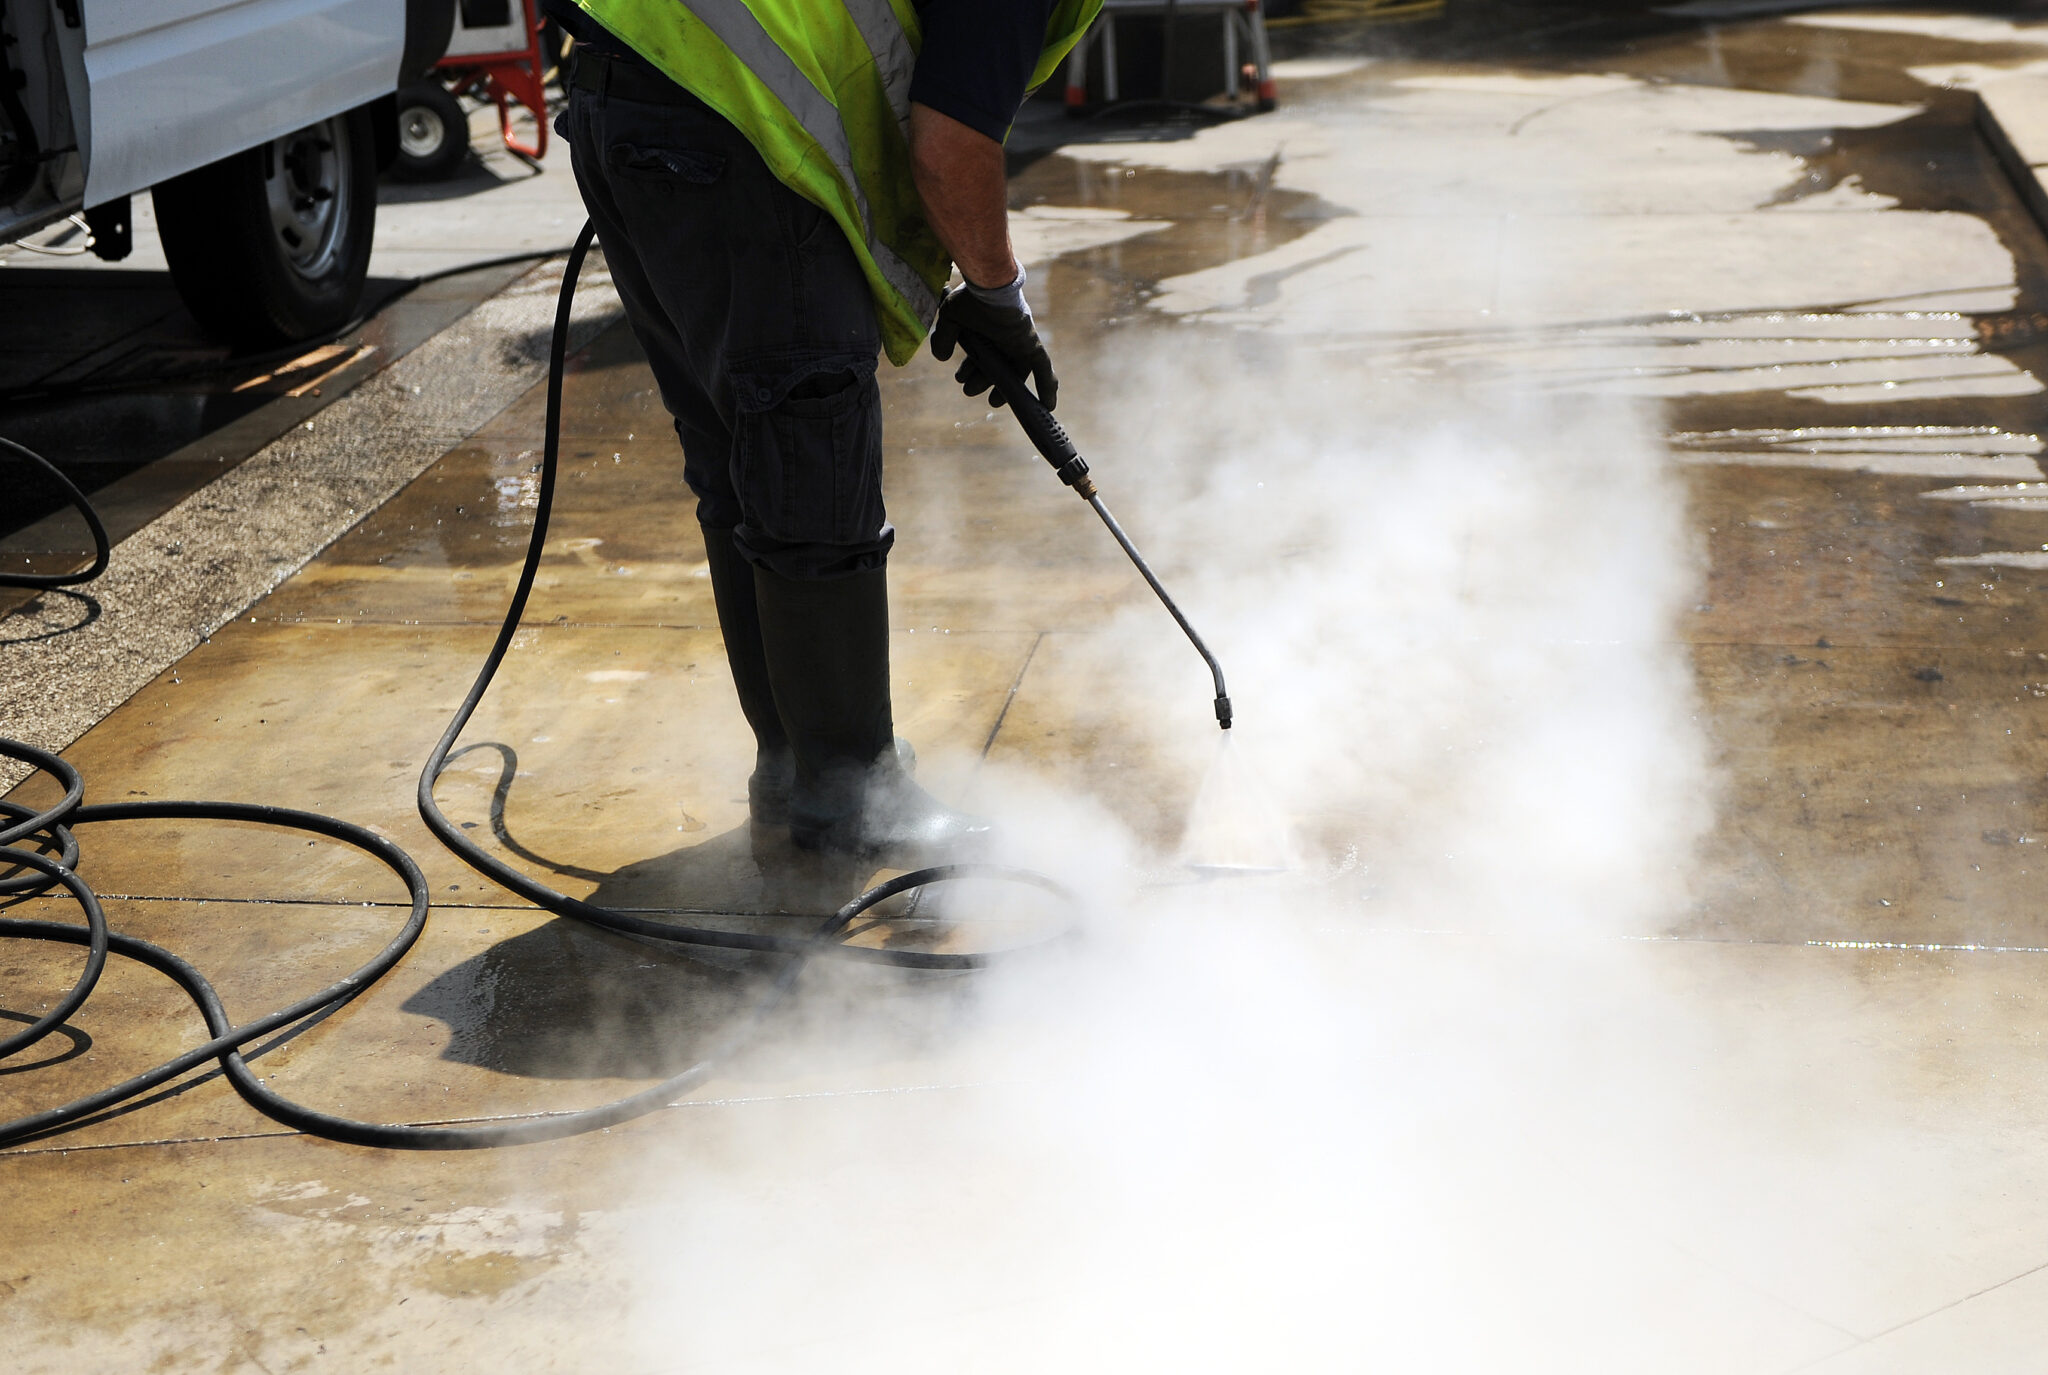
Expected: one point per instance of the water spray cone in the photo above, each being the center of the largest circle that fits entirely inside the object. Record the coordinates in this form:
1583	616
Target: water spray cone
1236	829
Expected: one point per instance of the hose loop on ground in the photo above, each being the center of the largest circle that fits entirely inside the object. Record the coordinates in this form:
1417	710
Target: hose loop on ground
232	1045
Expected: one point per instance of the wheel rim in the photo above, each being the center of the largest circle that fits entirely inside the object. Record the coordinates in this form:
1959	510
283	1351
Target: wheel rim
304	177
421	132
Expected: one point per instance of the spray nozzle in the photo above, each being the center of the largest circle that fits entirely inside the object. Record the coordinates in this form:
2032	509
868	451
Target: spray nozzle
1222	711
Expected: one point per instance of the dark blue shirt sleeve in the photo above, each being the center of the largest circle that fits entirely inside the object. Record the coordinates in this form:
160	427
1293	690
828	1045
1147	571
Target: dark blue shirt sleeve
977	59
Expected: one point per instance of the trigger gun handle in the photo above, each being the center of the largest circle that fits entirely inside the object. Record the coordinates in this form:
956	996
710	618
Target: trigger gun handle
1046	434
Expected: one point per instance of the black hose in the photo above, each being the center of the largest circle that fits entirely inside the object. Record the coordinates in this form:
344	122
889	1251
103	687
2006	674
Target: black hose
26	844
101	549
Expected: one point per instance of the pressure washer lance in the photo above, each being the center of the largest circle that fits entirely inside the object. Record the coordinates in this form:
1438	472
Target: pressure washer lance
1050	438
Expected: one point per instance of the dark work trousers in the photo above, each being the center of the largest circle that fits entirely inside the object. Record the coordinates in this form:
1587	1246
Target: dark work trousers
755	317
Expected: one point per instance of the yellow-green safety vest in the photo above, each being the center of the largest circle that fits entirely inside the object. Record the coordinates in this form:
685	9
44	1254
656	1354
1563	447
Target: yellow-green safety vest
821	88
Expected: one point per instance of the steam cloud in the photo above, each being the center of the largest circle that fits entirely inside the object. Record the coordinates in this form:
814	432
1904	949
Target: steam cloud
1426	1103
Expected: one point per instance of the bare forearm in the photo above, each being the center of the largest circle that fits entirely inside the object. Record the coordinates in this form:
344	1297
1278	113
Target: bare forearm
959	174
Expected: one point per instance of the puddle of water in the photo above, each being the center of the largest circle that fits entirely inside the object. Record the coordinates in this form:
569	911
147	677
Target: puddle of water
1043	232
2014	504
1787	311
2021	559
1964	28
1745	9
1951	451
2012	492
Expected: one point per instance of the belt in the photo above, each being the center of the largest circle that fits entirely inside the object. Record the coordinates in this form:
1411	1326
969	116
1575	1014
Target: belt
629	78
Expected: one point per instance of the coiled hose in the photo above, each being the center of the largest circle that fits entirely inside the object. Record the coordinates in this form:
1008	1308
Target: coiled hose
45	845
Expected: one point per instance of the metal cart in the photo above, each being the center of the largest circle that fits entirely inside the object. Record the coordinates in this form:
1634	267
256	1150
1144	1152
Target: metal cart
1244	32
494	56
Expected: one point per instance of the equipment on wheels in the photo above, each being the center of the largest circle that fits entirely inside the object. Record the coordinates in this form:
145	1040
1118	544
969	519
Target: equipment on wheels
496	56
1247	56
433	132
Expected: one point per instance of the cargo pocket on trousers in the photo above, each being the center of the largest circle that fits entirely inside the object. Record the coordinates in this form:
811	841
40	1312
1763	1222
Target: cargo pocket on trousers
692	166
809	452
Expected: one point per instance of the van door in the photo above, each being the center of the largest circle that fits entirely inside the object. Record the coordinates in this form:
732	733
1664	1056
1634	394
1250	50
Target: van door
176	84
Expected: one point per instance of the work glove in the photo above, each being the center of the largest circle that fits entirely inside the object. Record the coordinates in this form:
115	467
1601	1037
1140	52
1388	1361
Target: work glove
1001	316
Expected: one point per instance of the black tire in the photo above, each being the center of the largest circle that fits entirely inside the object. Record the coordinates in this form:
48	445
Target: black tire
270	246
433	133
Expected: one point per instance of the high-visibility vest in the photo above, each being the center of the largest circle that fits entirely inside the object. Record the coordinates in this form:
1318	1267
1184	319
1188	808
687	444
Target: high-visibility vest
821	88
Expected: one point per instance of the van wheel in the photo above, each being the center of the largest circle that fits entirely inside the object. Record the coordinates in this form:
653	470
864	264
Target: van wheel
433	133
271	245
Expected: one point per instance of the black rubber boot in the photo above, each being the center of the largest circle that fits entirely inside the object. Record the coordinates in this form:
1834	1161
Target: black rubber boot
739	621
827	644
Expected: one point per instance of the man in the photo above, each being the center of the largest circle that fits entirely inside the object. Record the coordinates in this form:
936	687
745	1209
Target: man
781	188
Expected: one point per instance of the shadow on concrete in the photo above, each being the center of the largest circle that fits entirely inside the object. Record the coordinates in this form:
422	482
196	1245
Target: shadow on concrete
571	1001
77	1044
566	1001
110	373
44	600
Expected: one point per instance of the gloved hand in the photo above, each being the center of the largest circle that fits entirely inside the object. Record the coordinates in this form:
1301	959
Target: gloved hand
1001	316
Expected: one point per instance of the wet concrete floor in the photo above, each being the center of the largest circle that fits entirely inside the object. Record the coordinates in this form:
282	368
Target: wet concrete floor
1609	469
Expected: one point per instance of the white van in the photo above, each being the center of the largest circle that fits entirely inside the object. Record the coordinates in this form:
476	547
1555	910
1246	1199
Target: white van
259	126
